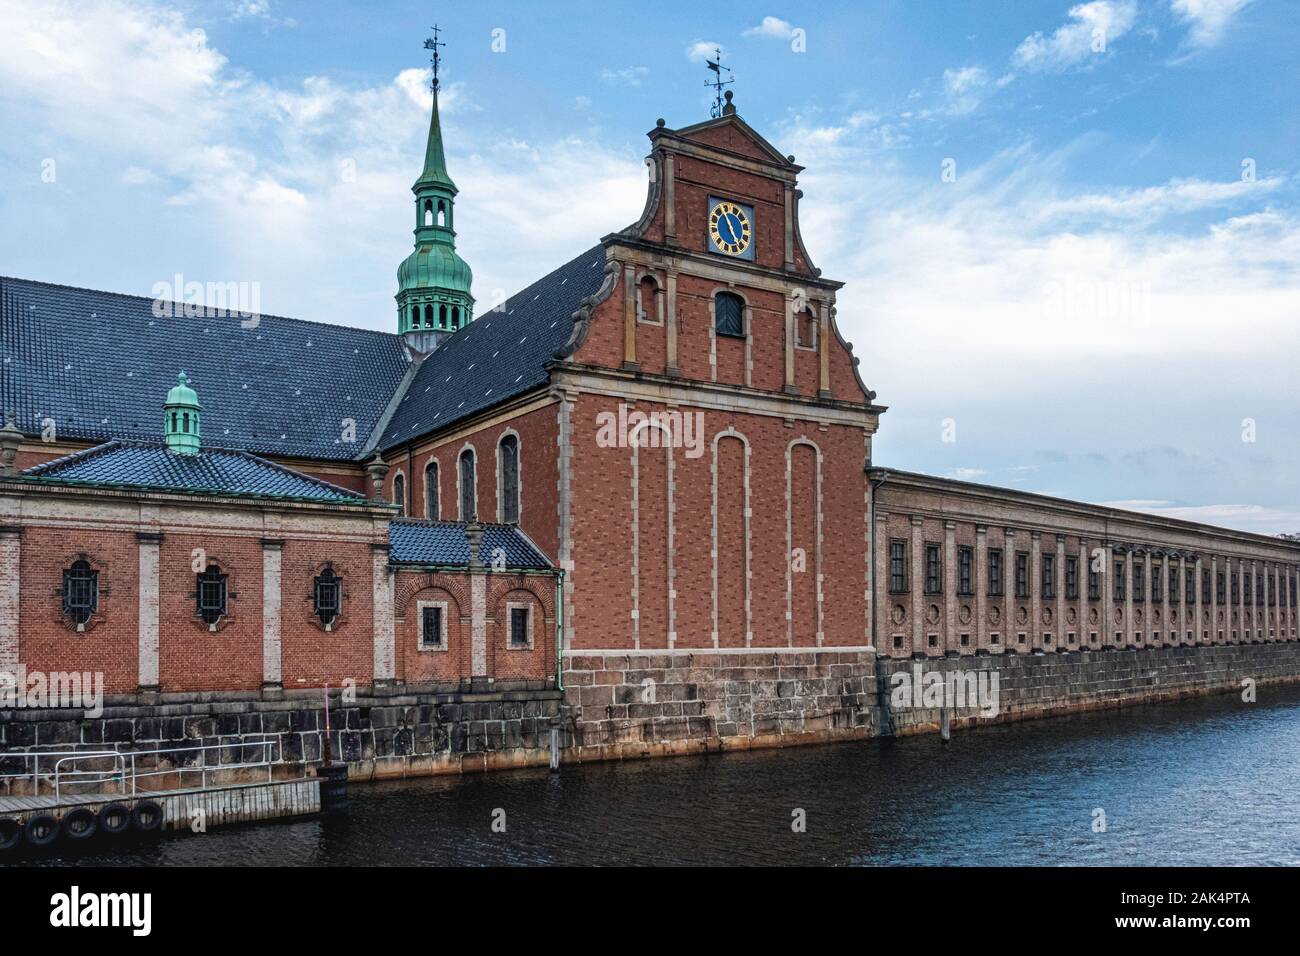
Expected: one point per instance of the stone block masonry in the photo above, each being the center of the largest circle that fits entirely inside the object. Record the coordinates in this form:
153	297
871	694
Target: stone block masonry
408	734
1050	685
621	704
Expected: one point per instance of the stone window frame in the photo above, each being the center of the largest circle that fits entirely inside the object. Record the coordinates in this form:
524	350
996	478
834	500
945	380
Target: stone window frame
232	593
997	583
511	607
422	647
904	576
808	315
1022	564
1138	582
500	482
965	570
460	491
1072	577
102	591
1047	584
399	478
434	466
936	549
341	617
660	296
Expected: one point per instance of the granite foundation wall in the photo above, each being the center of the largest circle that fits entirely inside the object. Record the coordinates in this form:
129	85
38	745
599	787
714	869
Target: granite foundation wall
647	704
378	737
1030	686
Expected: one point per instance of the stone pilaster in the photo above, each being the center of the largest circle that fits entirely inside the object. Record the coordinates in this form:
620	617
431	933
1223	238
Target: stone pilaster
918	589
950	643
672	365
1107	584
1059	642
272	599
148	678
1214	600
385	649
1009	591
478	624
883	636
979	581
1035	591
11	550
1085	564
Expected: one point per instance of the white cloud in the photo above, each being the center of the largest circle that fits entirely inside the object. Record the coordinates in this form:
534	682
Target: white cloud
772	27
632	75
701	50
275	182
1207	19
1091	29
964	88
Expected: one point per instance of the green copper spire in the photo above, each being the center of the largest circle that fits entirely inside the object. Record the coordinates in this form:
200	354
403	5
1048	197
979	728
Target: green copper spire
181	418
435	162
433	282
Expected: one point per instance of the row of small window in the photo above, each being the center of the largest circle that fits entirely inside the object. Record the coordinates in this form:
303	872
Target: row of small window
1264	591
1093	638
446	319
507	481
433	627
211	591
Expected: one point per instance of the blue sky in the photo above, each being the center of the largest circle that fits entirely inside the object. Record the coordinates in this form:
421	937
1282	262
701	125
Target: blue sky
1101	303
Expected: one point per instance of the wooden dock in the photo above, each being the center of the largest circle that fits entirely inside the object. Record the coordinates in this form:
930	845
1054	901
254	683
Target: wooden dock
215	806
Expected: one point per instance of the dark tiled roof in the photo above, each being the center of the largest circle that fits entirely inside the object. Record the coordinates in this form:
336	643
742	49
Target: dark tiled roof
214	471
499	355
443	542
100	364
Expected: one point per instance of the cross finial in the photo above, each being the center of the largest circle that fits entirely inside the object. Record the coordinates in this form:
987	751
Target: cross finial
432	44
715	65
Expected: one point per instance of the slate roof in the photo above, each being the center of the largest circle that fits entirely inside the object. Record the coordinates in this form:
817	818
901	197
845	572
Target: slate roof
99	364
443	542
213	471
500	354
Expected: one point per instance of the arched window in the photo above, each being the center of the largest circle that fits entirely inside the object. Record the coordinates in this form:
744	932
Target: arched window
185	421
442	213
442	316
805	329
508	479
431	491
468	504
211	593
729	314
647	300
428	316
174	421
80	593
428	212
328	597
455	317
415	316
399	495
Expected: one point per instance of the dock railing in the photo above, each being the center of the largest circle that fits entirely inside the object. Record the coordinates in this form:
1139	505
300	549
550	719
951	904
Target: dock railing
68	773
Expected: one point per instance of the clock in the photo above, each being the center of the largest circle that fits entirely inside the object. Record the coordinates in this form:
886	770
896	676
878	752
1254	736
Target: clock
731	229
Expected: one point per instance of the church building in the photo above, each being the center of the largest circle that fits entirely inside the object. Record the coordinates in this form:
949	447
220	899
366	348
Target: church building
636	501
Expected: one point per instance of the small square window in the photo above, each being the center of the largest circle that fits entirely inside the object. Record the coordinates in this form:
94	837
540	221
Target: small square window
898	641
965	640
995	638
934	640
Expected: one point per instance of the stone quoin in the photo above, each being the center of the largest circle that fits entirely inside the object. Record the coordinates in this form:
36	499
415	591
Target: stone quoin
631	511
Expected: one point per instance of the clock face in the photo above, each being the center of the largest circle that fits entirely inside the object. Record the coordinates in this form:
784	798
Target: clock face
731	229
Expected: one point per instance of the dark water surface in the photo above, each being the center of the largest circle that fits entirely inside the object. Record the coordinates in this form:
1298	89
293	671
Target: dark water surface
1207	782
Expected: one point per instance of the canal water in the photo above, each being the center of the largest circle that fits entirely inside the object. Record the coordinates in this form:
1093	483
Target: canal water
1207	782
